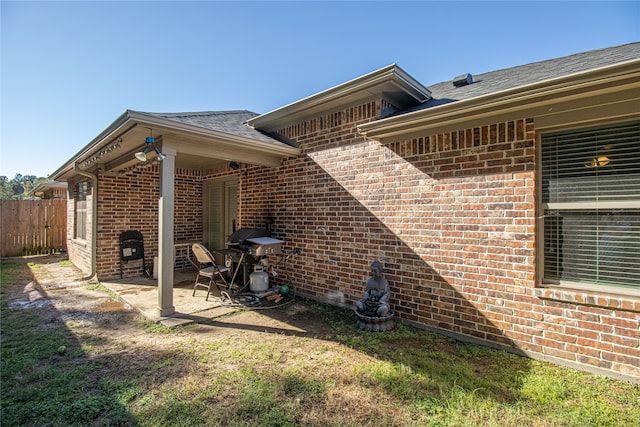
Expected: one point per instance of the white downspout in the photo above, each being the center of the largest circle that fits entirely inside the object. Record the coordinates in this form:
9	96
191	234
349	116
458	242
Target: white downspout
94	214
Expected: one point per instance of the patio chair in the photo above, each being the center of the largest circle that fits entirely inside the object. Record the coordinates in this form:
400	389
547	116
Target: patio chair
209	269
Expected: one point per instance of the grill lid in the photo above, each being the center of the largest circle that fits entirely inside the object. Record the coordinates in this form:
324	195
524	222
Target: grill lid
238	237
265	241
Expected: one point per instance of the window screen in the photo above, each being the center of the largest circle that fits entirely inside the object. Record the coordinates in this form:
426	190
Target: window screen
591	200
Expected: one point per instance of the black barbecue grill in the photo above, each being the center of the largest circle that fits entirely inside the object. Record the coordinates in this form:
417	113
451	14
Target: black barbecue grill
238	240
246	247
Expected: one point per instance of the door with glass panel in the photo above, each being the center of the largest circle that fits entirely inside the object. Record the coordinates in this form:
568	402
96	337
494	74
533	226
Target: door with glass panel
220	212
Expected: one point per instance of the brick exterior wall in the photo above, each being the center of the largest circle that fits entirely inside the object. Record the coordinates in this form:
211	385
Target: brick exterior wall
452	216
129	201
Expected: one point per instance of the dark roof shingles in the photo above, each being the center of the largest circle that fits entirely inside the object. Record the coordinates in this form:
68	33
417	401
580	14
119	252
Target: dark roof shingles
509	78
229	122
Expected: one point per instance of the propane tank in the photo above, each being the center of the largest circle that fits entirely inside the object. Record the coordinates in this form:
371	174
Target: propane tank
259	279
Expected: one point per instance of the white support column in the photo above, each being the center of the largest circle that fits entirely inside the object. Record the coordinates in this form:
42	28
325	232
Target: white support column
165	233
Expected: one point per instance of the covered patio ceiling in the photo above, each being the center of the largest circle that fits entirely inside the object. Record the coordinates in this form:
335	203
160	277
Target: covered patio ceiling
201	140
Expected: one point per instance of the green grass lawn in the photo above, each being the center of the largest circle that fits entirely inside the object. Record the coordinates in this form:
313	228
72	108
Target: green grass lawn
77	373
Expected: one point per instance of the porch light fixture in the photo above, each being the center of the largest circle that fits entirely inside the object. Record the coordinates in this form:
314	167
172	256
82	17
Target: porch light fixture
150	142
234	166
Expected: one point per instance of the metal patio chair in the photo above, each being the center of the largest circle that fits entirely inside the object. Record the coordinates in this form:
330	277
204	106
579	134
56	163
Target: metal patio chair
209	270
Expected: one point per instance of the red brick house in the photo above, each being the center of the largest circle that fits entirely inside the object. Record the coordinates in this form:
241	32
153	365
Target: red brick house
50	190
505	206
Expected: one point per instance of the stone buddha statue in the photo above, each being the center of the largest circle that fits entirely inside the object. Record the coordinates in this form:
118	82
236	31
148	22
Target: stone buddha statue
376	294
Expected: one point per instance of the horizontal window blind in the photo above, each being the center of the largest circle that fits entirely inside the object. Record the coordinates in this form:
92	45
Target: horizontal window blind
592	247
591	198
591	165
81	211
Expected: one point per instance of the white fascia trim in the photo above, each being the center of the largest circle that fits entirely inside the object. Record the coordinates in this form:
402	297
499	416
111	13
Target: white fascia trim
520	98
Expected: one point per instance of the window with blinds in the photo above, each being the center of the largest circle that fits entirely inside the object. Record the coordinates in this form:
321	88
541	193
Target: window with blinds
81	211
591	201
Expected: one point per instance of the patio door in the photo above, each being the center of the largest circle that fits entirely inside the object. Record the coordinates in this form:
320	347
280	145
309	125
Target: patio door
220	211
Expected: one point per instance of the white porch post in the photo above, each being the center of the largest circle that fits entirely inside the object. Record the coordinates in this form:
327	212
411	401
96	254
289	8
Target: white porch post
165	233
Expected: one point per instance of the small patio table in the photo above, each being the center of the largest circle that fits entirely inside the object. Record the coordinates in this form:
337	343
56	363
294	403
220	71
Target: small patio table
185	244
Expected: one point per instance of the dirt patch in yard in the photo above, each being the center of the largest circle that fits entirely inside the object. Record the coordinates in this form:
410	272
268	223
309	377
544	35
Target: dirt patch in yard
58	289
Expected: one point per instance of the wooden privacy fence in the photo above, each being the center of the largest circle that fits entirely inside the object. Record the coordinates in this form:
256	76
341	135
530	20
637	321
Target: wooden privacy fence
31	227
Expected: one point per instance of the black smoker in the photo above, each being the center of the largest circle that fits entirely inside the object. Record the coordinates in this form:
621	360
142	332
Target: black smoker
131	248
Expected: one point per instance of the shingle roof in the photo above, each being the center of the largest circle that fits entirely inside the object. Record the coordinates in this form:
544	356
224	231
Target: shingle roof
231	122
508	78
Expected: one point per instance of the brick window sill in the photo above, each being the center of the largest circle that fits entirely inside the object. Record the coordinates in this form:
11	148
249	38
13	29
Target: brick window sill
591	297
80	242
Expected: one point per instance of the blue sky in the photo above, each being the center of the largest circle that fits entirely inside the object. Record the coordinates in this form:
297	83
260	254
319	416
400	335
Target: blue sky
69	69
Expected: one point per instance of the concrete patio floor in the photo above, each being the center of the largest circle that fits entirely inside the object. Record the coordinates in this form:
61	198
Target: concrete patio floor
142	294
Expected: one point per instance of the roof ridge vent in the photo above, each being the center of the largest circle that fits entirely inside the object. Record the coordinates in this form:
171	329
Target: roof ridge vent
463	80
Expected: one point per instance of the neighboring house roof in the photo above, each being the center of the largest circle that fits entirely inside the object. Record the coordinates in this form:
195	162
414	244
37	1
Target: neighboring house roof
522	75
41	189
